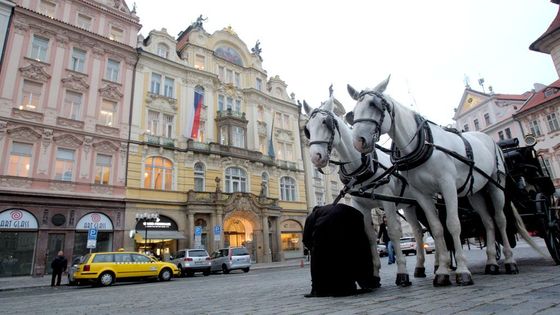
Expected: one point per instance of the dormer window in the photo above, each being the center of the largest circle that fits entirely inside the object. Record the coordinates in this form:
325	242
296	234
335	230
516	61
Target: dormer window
550	91
163	51
47	8
116	34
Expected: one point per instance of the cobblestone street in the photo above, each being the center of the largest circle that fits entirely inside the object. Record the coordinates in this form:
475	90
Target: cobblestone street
280	291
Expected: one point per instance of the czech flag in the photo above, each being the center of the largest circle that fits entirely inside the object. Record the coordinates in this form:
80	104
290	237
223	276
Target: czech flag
198	100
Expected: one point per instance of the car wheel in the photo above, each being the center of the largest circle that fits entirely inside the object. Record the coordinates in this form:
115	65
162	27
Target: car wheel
246	269
225	269
106	279
181	271
206	272
165	275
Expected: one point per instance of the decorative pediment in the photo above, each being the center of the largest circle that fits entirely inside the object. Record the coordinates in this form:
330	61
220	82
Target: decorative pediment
110	91
105	147
24	133
68	140
75	82
35	72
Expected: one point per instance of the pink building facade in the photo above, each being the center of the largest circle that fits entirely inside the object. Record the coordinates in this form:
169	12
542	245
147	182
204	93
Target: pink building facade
65	101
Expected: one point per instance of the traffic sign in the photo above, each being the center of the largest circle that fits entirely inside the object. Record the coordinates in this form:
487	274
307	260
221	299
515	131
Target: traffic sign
217	229
198	230
92	238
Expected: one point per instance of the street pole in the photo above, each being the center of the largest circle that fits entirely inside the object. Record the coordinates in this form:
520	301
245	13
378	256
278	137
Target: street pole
146	238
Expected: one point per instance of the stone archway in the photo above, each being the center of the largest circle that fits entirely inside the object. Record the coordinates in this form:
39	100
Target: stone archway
243	228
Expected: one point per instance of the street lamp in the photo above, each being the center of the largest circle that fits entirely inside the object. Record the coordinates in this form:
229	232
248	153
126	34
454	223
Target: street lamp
145	218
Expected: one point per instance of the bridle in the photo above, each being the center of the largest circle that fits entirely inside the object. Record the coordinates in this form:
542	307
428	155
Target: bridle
332	126
383	107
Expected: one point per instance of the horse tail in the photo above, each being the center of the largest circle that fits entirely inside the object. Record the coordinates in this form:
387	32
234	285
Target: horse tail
523	231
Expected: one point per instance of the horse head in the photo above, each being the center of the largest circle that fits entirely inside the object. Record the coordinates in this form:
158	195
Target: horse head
321	130
369	117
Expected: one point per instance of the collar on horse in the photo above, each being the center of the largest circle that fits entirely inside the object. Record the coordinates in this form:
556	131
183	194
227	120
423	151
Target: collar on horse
422	152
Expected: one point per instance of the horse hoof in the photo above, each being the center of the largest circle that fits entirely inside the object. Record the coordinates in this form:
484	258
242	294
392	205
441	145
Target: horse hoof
511	269
403	280
376	282
463	279
420	272
441	281
492	270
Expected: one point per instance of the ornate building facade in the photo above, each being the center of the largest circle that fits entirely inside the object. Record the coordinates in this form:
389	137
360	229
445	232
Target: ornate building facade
65	97
214	150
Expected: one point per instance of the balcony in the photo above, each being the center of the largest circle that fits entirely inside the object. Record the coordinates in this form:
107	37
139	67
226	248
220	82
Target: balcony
229	113
159	140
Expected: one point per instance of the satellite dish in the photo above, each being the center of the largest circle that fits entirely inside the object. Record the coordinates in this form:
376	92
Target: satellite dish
131	233
530	140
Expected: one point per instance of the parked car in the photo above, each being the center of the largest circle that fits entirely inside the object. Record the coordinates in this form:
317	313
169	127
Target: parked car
408	245
190	261
232	258
429	245
105	268
382	250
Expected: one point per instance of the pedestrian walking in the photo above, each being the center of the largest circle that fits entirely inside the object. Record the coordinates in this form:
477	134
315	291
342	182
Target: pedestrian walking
383	235
58	265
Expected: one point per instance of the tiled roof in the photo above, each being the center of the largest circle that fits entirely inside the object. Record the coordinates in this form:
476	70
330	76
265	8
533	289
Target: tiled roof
554	26
513	97
539	97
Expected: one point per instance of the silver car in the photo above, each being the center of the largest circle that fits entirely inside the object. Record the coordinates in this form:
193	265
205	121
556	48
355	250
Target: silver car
228	259
190	261
73	268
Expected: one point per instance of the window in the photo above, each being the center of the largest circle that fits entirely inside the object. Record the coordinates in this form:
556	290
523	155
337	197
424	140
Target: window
259	84
103	169
198	176
487	119
163	50
224	135
78	60
84	21
552	122
508	133
237	77
287	189
116	34
466	127
221	102
334	187
229	103
221	73
168	121
264	184
318	178
158	173
260	113
236	180
39	48
237	108
199	62
153	123
64	166
319	199
238	135
155	83
535	128
108	113
285	151
262	144
476	125
113	70
229	76
47	8
72	105
547	167
501	135
201	133
168	87
31	95
20	159
282	121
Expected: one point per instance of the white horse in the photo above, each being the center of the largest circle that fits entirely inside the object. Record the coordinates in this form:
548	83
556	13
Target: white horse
429	157
326	132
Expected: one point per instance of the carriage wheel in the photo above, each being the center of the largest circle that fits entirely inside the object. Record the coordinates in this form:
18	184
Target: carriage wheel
552	230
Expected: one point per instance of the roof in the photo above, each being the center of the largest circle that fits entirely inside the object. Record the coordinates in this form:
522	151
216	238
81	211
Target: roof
553	28
541	97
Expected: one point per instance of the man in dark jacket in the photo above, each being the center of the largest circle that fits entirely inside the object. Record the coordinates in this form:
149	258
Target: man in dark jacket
58	266
328	232
383	235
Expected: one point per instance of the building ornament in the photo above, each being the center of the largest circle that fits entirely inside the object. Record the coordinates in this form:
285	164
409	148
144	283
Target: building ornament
87	145
66	122
102	189
68	140
110	91
21	26
35	71
27	114
62	186
75	82
15	182
106	130
24	133
105	146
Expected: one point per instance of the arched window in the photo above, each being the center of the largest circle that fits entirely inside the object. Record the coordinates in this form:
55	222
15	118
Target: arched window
264	185
158	173
163	50
199	176
236	180
287	189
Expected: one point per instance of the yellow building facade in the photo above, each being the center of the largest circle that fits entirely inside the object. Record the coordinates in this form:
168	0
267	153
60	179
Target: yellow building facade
214	149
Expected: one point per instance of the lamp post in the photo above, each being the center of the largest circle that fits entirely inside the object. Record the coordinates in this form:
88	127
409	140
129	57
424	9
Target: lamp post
145	218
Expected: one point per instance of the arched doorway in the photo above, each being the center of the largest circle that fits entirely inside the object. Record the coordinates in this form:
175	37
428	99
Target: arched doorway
238	231
291	234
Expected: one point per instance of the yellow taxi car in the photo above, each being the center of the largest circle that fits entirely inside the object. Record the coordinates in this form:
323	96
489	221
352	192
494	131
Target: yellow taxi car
105	268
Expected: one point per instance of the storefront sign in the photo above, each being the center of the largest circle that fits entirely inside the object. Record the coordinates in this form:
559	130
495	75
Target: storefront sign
95	220
17	219
164	224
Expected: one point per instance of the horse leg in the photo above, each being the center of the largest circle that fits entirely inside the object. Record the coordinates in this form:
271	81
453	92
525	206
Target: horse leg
412	219
442	272
394	230
498	200
479	204
372	237
463	275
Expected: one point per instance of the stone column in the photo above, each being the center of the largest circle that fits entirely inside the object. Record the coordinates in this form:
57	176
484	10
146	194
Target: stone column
190	229
279	240
266	239
220	221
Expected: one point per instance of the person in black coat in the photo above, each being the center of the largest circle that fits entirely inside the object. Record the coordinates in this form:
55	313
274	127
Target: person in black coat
383	235
58	265
340	251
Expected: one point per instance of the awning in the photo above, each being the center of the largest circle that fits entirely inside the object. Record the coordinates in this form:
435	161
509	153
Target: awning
161	235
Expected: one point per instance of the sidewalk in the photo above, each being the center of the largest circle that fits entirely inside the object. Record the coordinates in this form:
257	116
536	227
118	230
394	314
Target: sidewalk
23	282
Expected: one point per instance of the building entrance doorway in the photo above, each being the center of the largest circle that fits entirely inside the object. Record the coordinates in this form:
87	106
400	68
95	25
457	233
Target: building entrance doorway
237	232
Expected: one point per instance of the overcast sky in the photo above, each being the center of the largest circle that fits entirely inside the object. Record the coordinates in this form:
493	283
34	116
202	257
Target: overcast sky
428	47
